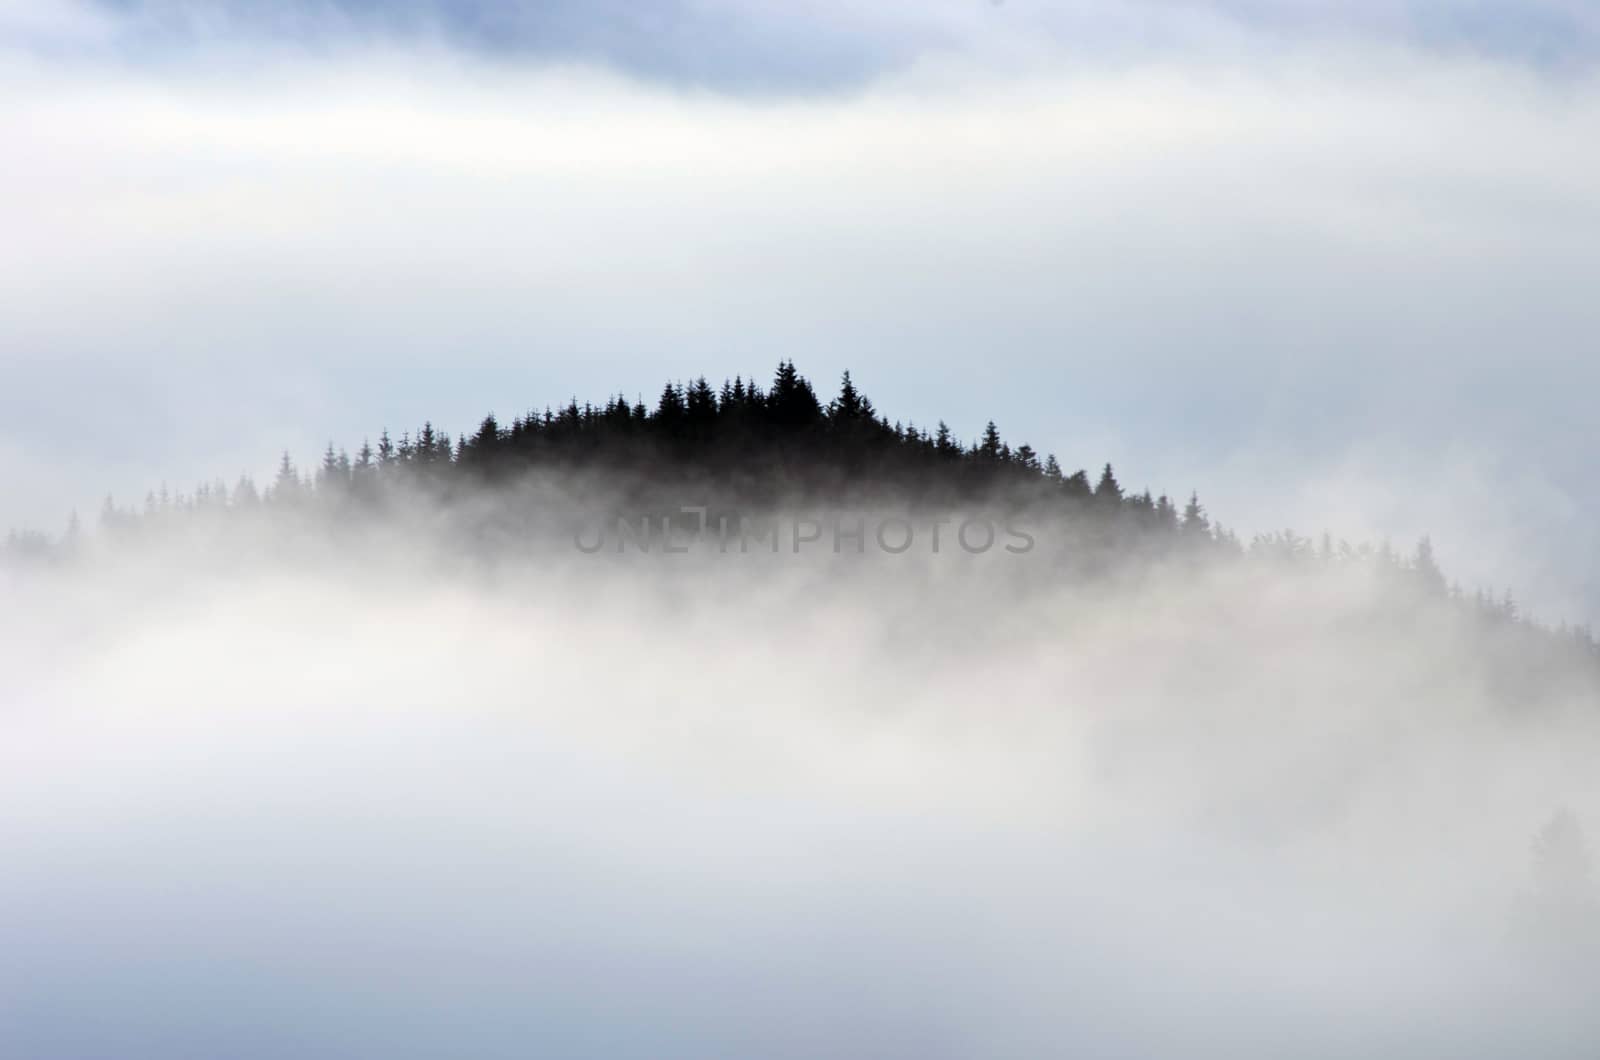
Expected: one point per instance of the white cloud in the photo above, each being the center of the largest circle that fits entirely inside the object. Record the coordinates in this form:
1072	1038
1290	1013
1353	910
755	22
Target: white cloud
810	808
1173	265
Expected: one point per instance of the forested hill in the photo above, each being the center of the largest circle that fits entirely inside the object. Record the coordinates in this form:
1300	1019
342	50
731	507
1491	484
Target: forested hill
750	445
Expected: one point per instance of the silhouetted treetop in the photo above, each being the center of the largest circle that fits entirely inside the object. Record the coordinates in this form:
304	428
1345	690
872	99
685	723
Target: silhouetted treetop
751	446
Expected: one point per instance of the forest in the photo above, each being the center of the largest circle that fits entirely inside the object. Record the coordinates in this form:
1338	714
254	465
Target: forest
742	446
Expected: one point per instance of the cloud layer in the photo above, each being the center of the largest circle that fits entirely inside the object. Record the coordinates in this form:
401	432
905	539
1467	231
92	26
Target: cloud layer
1330	264
779	806
1339	286
765	48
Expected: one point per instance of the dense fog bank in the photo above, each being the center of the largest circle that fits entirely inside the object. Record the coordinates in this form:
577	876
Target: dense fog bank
404	799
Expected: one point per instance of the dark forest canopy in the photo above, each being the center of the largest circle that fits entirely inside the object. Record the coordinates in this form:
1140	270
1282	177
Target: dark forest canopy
751	445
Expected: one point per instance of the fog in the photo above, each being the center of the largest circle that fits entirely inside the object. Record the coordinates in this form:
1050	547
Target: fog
1283	273
452	784
390	796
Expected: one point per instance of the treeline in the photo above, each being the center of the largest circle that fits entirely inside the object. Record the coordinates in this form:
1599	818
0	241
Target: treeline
760	445
756	445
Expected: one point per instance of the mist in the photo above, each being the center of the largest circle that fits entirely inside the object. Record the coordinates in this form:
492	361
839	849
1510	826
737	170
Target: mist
385	794
759	722
1334	283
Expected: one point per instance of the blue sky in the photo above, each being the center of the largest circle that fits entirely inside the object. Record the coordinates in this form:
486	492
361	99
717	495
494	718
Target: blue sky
1328	263
764	47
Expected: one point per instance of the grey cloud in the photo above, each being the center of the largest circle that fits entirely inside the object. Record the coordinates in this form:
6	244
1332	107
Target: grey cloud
766	48
736	47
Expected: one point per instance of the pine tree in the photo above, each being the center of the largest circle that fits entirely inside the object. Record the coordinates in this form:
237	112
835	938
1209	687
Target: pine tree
847	406
286	486
485	442
1426	568
670	411
329	479
1108	491
1195	524
1166	514
989	447
792	405
700	409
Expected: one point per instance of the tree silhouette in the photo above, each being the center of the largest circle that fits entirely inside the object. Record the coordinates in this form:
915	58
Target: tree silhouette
1108	492
286	486
1195	524
758	445
792	405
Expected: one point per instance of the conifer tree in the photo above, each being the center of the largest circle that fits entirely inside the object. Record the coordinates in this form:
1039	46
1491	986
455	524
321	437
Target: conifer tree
1426	568
1108	491
286	486
792	405
1195	523
330	476
485	442
989	447
700	409
1166	514
670	411
847	406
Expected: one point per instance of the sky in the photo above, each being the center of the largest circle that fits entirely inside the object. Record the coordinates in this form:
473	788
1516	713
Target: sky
1330	264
